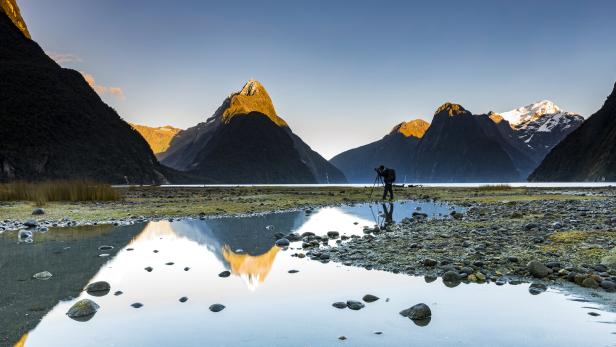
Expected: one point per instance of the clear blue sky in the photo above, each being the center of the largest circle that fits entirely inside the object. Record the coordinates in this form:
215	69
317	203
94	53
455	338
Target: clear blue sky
342	73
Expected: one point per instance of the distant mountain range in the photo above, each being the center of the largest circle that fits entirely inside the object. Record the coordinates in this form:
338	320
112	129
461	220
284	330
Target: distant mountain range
158	138
245	141
54	126
461	147
588	153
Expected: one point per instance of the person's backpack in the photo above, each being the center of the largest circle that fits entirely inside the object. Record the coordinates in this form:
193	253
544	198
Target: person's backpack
390	175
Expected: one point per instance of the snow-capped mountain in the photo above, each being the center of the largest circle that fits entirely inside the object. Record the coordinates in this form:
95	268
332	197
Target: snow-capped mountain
542	125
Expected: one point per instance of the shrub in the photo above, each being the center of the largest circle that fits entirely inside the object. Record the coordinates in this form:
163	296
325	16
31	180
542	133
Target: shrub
495	187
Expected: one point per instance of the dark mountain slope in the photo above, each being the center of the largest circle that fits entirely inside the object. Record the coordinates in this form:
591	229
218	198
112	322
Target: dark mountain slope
588	153
394	150
54	126
456	148
246	142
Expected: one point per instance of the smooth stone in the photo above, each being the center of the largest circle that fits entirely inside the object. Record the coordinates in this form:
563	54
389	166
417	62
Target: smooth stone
342	338
282	242
339	304
370	298
429	262
31	223
538	270
105	248
590	282
118	293
537	288
451	276
293	271
608	285
44	275
217	307
355	305
183	299
333	234
186	268
417	312
84	308
224	274
149	269
38	211
169	263
99	288
137	305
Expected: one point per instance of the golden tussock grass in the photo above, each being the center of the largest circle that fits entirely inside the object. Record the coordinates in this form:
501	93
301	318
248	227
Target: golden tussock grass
61	190
492	187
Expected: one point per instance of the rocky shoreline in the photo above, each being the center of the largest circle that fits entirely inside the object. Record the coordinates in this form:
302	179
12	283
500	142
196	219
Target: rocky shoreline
544	242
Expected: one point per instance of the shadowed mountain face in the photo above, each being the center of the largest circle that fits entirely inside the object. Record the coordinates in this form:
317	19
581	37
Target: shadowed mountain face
159	138
246	142
588	153
461	147
394	150
53	125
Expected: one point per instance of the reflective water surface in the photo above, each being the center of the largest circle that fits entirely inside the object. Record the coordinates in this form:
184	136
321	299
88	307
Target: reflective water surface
265	304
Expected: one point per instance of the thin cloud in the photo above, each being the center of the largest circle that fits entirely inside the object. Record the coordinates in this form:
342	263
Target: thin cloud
63	58
102	90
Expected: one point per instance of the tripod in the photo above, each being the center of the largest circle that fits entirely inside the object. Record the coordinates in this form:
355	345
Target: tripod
378	179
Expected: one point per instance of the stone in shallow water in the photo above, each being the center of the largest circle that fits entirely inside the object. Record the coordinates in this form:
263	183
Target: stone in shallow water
83	310
217	307
293	271
137	305
537	288
419	311
370	298
44	275
105	248
99	288
339	304
183	299
538	270
118	293
149	269
282	242
224	274
355	305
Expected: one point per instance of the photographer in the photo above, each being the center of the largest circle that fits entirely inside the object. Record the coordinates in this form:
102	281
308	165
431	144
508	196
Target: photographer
389	177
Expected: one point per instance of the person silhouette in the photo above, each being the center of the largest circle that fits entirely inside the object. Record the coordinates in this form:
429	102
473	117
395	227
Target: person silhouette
388	214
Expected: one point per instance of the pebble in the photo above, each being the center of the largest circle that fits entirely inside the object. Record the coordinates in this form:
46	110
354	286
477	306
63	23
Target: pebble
339	304
44	275
183	299
149	269
137	305
370	298
417	312
355	305
99	288
83	308
217	307
224	274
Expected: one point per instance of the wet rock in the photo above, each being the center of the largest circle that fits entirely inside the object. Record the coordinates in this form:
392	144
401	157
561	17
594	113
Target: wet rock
590	282
608	285
149	269
339	304
538	270
105	248
429	262
537	288
217	307
137	305
44	275
38	211
355	305
183	299
83	310
100	288
169	263
417	312
333	234
451	276
594	314
342	338
118	293
370	298
25	236
224	274
186	268
282	242
30	224
293	271
429	278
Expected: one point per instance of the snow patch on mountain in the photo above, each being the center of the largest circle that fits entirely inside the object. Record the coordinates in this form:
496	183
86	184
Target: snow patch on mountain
529	112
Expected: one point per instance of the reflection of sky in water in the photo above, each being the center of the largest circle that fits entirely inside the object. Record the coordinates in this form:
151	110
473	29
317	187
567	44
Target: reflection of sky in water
295	309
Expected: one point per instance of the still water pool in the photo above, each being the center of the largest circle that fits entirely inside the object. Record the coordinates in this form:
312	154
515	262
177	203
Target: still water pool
266	305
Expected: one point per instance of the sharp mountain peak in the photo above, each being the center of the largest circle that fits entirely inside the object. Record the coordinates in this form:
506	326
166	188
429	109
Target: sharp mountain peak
252	98
451	109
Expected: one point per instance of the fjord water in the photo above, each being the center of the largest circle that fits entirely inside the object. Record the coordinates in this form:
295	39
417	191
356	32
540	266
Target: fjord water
268	306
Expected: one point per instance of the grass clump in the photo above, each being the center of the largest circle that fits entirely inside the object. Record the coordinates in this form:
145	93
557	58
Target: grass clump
61	190
494	187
